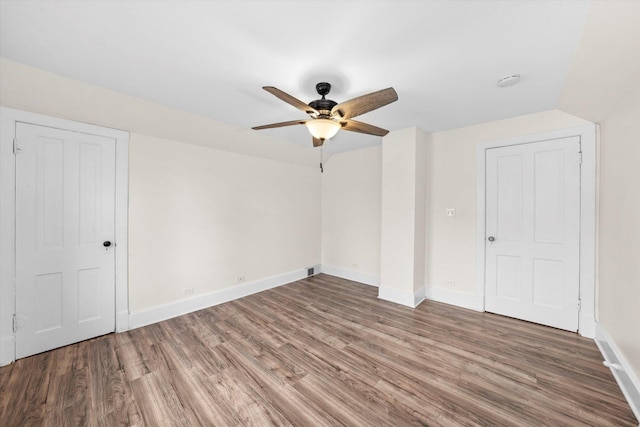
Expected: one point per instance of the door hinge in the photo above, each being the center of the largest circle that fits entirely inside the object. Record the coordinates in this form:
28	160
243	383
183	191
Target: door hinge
16	148
579	157
579	304
19	322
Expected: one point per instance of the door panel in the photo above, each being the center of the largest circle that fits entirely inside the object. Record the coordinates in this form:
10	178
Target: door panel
65	209
508	277
49	192
533	214
509	198
548	275
549	196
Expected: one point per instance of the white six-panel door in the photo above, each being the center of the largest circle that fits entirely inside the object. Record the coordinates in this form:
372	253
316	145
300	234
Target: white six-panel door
65	212
533	232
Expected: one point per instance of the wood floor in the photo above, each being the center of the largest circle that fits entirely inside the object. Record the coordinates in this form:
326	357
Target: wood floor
322	351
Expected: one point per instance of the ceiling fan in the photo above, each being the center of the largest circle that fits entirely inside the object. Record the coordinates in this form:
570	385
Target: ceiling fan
328	117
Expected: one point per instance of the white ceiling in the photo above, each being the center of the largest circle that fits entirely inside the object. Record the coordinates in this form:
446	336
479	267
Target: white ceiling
211	58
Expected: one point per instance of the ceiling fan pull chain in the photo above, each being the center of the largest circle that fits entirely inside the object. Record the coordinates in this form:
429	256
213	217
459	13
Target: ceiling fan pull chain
321	169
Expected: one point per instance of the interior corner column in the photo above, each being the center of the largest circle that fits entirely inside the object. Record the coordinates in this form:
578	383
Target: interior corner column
402	254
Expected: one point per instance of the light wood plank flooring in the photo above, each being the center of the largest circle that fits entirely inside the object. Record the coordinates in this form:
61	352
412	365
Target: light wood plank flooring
322	351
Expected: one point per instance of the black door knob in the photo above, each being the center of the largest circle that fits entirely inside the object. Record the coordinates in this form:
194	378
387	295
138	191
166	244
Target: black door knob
106	244
491	238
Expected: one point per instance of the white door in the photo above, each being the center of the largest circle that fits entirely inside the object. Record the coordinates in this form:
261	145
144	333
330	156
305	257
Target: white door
65	215
533	232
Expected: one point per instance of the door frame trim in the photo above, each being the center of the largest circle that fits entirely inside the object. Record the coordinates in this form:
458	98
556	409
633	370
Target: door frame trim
587	135
8	119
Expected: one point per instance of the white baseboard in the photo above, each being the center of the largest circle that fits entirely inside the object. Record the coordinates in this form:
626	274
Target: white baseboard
7	350
419	296
388	294
184	306
122	321
356	276
622	372
406	298
458	299
586	325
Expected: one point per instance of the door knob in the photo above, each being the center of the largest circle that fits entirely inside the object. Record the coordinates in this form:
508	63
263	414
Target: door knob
106	244
491	239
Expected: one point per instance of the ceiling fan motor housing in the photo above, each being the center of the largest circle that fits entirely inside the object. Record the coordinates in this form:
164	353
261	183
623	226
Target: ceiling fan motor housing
323	105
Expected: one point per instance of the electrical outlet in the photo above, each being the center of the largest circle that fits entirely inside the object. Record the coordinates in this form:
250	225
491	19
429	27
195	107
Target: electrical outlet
450	284
450	212
187	291
241	279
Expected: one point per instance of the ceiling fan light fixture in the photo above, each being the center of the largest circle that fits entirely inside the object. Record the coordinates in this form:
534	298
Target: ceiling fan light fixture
323	129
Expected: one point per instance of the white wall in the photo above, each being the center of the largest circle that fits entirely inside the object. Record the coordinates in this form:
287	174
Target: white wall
451	183
201	218
603	86
402	252
619	228
351	212
607	61
30	89
401	173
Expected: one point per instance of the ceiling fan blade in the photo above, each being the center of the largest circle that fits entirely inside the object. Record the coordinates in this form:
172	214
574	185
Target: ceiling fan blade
363	104
292	101
281	124
317	142
355	126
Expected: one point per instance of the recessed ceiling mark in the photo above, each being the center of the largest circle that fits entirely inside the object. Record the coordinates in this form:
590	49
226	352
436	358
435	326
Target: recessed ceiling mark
509	80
